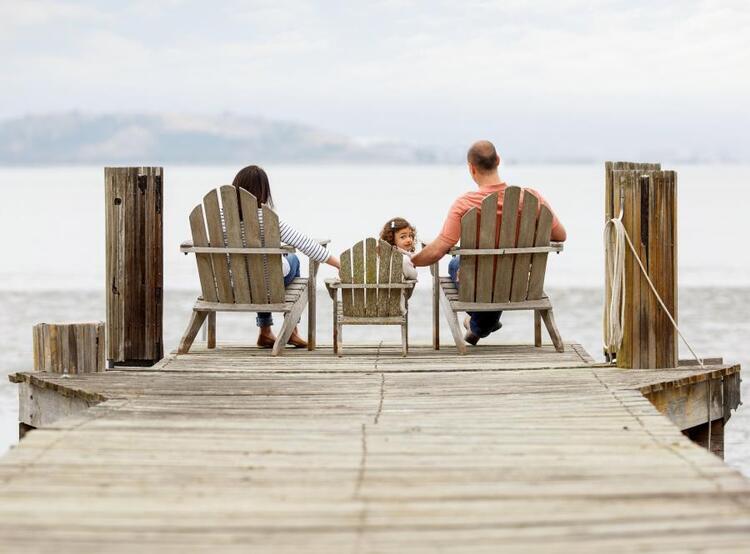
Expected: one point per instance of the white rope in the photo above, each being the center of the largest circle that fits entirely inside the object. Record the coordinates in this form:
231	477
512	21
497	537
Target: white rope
614	307
615	237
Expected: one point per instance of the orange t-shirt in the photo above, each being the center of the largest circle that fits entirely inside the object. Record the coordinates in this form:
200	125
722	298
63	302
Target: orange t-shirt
451	232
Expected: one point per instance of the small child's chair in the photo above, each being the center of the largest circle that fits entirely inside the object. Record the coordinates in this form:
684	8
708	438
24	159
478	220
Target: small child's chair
373	290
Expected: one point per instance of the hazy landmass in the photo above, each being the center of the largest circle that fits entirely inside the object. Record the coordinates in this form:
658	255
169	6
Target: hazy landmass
158	139
76	138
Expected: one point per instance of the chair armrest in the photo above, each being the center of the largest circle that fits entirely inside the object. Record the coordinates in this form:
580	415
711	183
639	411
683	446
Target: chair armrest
434	268
553	247
323	242
187	247
331	287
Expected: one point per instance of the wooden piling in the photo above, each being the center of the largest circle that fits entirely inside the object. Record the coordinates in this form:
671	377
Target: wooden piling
69	347
649	207
133	200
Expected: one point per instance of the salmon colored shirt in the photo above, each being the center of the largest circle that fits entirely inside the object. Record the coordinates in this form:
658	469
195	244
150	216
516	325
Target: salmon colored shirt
451	233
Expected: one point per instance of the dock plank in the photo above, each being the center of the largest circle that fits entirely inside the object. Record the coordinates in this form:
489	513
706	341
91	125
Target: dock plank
510	447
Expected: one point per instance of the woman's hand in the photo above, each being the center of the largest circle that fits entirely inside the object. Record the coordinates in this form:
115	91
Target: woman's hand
334	261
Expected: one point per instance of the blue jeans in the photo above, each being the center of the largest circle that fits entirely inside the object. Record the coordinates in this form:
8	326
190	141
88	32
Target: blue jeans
264	319
481	323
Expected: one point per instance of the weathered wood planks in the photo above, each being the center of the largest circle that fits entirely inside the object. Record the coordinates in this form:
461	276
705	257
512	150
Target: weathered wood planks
69	347
228	450
134	264
649	208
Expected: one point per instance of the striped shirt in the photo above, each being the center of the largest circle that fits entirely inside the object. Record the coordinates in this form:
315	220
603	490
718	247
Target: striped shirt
288	235
301	242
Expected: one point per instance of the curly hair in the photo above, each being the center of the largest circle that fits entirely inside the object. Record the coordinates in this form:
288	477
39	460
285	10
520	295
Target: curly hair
393	226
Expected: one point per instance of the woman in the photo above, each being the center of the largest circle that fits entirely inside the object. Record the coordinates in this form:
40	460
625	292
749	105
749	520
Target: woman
254	180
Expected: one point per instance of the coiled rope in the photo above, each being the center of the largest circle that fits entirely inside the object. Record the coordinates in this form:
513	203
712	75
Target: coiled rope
615	238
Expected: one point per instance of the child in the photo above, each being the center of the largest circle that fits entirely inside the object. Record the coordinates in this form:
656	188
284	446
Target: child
400	233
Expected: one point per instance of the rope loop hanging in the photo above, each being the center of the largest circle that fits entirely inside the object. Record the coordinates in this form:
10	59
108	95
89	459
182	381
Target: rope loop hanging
615	238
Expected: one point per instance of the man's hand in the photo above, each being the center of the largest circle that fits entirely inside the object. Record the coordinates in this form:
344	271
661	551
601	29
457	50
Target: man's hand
429	254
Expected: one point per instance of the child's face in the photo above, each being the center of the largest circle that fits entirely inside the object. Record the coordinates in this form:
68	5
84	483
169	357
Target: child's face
404	239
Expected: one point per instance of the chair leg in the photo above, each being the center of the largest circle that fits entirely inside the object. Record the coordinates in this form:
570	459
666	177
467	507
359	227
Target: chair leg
211	341
407	332
549	323
194	325
311	305
537	329
336	325
404	340
339	345
291	318
452	318
435	308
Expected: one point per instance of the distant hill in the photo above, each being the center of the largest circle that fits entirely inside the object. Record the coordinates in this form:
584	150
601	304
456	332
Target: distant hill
76	138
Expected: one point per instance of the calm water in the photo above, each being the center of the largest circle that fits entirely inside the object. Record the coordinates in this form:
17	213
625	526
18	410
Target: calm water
54	270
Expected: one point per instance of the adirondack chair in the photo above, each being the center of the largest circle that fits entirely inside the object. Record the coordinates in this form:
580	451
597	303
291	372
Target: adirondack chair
240	269
499	270
372	286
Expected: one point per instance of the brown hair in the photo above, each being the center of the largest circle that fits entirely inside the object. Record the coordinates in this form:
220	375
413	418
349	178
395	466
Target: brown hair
483	156
255	181
393	226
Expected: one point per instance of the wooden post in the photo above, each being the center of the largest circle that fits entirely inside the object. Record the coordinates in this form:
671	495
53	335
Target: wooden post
69	347
649	206
133	200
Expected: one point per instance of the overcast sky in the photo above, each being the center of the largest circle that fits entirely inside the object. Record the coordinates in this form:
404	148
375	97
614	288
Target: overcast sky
564	75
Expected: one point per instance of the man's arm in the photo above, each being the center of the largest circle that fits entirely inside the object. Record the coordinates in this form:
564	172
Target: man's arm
430	254
559	234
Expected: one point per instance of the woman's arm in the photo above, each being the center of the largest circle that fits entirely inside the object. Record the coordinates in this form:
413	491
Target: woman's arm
309	247
333	261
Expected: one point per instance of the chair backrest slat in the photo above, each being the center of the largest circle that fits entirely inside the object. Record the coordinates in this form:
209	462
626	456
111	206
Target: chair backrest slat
539	261
216	238
272	239
397	276
345	274
205	268
358	277
384	276
371	277
487	239
522	263
237	264
467	277
255	262
507	239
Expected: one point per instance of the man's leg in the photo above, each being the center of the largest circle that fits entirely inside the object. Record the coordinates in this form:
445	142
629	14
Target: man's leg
484	323
481	324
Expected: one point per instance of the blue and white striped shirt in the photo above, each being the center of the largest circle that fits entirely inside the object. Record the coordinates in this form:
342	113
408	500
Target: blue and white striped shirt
301	242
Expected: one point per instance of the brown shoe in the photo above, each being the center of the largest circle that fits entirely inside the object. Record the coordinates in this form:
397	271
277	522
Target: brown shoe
297	341
264	341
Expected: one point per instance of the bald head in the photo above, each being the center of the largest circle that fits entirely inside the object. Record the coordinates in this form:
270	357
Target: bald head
483	156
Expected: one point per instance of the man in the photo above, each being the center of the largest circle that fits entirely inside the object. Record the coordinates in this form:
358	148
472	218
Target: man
483	166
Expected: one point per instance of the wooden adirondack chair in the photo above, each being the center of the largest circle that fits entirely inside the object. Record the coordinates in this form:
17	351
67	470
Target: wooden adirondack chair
372	286
240	270
499	270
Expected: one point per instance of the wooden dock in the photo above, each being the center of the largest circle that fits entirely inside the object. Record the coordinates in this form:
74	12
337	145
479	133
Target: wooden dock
509	448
